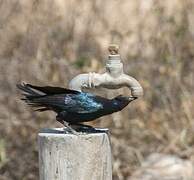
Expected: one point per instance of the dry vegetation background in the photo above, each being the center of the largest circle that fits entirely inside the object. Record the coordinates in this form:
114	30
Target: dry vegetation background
51	41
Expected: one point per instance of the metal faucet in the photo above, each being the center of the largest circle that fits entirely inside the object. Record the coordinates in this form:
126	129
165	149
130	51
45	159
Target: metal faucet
113	78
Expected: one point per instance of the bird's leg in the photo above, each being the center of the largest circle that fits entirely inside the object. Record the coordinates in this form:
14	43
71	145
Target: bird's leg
69	128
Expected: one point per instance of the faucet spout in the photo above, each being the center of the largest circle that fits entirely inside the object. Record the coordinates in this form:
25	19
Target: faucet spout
113	78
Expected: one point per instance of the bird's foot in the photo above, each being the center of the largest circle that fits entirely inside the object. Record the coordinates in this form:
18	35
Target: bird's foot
82	128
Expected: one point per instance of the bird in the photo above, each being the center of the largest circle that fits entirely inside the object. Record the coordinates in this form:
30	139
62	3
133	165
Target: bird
71	107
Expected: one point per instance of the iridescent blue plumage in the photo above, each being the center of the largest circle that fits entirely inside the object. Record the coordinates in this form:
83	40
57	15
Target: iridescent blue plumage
80	103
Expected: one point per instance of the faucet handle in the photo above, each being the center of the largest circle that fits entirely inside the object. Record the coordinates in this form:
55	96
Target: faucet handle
113	49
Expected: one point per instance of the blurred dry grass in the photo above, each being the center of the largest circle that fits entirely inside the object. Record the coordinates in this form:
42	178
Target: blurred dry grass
49	42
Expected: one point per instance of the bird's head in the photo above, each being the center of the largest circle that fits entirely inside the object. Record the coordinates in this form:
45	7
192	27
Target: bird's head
122	101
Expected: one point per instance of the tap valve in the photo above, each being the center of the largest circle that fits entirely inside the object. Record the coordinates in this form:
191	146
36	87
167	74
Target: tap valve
114	65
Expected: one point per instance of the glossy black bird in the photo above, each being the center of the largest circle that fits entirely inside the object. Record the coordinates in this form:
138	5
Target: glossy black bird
72	107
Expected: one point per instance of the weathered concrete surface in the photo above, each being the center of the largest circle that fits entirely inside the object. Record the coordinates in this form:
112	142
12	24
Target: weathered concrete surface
74	157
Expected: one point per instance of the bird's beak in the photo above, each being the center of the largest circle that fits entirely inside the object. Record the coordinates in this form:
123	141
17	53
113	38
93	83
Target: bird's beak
132	98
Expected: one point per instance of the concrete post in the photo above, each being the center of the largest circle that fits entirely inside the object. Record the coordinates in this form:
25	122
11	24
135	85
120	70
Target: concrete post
74	157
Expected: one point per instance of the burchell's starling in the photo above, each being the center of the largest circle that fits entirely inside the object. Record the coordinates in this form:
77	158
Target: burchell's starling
72	107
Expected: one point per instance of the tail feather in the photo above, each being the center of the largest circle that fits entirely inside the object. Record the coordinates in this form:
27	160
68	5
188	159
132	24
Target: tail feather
31	96
49	90
43	98
28	91
42	109
44	103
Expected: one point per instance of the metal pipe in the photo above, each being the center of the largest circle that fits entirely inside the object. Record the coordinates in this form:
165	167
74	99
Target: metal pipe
113	78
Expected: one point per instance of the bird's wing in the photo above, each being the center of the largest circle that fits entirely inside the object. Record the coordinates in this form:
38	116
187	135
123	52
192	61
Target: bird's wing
74	103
